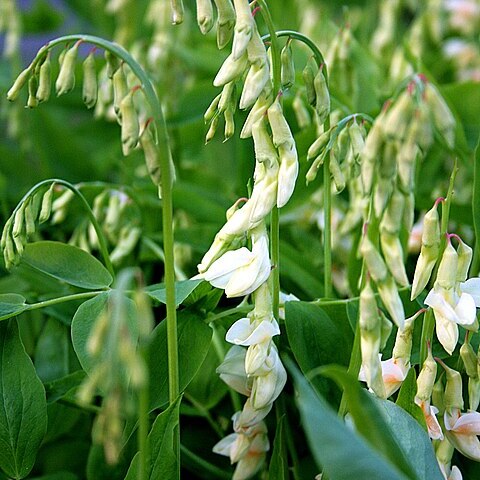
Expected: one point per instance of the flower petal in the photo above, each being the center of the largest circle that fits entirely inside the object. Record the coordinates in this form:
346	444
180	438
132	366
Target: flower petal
447	332
437	301
222	269
472	287
466	310
468	423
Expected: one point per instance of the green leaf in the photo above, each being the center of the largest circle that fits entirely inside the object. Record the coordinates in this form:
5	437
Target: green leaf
163	461
53	351
206	387
278	468
57	476
59	388
368	421
84	320
194	338
337	449
23	409
406	398
316	340
68	264
11	304
182	290
412	438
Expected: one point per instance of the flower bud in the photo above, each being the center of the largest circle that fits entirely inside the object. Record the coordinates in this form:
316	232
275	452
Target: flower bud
391	299
232	370
231	69
469	359
428	253
315	166
374	141
266	388
44	81
225	22
447	269
301	112
32	101
287	173
178	11
244	27
212	110
465	254
256	113
442	115
356	139
336	172
229	124
227	97
212	129
90	85
46	207
66	77
30	217
426	378
368	309
322	96
385	330
287	66
128	239
264	149
130	128
19	221
392	217
204	15
19	83
317	147
120	89
309	81
281	132
438	396
453	389
393	254
398	117
257	77
381	194
375	264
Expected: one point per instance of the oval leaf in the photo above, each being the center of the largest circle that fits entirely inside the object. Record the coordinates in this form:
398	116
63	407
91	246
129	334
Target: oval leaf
11	304
194	338
84	320
23	408
183	289
68	264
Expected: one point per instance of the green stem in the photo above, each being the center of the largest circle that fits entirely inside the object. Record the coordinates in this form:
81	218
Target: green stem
230	311
164	154
327	192
101	237
428	319
143	428
275	217
66	298
85	408
201	464
206	414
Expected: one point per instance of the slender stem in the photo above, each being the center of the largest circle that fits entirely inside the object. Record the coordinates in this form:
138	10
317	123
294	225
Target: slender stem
86	408
275	217
143	428
327	231
165	161
101	237
230	311
206	414
66	298
201	464
428	319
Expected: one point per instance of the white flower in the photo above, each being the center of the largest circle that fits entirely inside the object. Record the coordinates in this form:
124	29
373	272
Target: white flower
451	309
430	412
240	272
394	372
232	370
462	430
246	333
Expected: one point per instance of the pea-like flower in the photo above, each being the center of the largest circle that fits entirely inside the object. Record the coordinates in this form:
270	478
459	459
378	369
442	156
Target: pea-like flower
240	272
462	430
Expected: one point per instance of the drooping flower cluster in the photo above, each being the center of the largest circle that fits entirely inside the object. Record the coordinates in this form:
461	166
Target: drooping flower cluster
116	86
252	366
